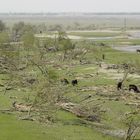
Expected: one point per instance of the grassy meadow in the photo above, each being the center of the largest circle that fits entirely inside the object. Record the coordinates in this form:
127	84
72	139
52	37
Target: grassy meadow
96	91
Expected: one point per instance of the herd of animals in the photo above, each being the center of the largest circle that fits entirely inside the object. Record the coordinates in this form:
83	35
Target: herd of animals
132	87
66	82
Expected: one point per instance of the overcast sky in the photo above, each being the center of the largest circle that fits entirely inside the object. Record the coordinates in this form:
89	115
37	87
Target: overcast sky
69	5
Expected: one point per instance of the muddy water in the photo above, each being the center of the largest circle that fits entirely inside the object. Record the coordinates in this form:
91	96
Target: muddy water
74	37
127	48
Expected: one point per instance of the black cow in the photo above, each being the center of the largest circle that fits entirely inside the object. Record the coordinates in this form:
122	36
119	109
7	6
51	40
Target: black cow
74	82
125	65
138	50
65	81
119	85
134	88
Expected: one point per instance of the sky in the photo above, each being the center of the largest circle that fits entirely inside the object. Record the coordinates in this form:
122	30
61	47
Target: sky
69	6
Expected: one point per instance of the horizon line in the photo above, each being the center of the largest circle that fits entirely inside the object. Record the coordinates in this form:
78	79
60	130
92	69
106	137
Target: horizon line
70	12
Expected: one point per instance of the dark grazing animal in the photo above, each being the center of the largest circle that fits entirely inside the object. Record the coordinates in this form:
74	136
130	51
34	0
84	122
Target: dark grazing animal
134	88
64	81
125	66
119	85
138	50
74	82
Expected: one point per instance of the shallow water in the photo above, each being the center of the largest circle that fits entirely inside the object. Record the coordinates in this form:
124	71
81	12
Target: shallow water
75	37
128	48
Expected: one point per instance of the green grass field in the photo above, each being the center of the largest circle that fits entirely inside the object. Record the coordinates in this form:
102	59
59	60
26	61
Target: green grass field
101	86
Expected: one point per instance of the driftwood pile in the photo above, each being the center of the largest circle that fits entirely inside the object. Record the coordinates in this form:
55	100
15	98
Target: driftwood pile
79	111
70	107
21	107
3	66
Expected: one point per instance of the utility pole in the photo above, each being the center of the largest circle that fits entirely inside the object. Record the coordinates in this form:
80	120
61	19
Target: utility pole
125	25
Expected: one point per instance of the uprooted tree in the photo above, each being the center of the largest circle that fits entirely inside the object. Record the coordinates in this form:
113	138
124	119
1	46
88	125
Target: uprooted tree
133	124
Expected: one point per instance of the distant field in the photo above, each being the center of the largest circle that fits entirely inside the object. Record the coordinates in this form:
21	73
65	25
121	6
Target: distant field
114	22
